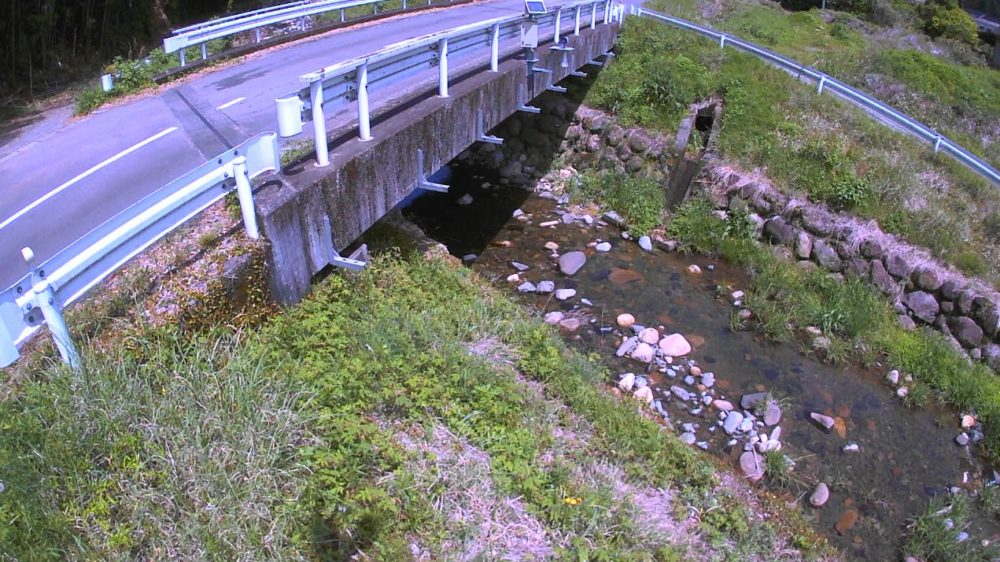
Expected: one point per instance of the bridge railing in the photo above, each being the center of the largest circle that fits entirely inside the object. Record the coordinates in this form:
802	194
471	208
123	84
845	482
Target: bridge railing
352	81
826	82
40	296
202	33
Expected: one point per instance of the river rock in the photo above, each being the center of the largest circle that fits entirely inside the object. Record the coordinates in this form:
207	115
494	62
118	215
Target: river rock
571	324
688	438
627	347
603	246
724	405
892	377
693	269
927	278
882	280
923	304
962	439
968	421
545	287
748	401
646	243
563	294
526	287
752	466
820	495
772	415
825	422
826	256
803	245
777	230
708	379
520	266
550	245
553	317
627	382
625	320
732	422
571	262
966	331
898	266
643	352
645	394
675	345
846	521
650	336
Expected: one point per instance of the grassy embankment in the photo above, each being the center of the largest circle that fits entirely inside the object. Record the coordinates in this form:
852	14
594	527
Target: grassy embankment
409	408
818	146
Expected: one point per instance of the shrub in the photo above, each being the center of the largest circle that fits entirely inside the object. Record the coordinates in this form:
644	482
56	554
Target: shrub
639	200
89	100
950	22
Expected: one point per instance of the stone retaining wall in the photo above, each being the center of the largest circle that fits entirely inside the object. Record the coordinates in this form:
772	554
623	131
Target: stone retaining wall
922	290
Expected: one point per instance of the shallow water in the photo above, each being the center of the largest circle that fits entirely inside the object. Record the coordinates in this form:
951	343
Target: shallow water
907	456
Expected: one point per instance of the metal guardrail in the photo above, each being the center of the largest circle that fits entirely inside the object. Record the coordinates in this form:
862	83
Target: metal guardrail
40	296
824	81
202	33
340	84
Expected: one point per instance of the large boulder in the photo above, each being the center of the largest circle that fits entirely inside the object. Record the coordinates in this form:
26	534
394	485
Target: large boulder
927	279
818	221
872	249
966	331
882	280
898	266
988	316
923	305
826	256
777	230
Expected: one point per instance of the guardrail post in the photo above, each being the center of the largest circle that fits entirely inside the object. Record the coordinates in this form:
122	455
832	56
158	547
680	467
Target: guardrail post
256	35
607	11
343	16
576	26
183	58
45	299
443	68
364	118
495	48
937	144
204	51
820	84
593	16
319	123
722	41
244	192
555	35
404	4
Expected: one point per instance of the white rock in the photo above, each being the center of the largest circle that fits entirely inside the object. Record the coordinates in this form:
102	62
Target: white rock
733	422
643	353
545	287
645	394
688	438
563	294
625	320
520	266
820	495
627	382
675	345
571	262
553	317
645	243
852	448
627	346
826	422
547	224
517	213
962	439
513	278
550	245
752	466
968	421
526	287
737	295
893	377
603	247
724	405
902	392
465	200
708	379
694	269
650	336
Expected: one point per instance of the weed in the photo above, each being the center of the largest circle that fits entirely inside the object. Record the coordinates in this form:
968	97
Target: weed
932	535
639	200
779	469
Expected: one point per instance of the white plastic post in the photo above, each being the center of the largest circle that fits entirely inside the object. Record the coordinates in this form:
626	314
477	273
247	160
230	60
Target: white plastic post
319	123
607	11
343	15
576	26
593	16
204	51
404	4
256	35
443	68
819	86
244	192
364	118
555	35
495	48
45	299
182	56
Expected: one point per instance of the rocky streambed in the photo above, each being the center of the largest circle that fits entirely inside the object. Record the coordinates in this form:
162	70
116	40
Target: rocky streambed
857	461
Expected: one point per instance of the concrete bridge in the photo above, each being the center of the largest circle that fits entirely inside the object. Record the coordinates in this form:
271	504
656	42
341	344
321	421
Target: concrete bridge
313	213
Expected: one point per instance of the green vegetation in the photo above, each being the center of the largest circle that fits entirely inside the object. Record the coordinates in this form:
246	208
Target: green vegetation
932	535
639	200
361	421
819	146
785	298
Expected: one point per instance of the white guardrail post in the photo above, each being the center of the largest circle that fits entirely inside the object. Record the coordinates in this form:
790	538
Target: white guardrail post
364	116
443	68
40	297
319	123
495	48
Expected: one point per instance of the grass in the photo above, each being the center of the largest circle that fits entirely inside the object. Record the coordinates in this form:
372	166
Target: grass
786	298
818	146
932	534
639	200
296	439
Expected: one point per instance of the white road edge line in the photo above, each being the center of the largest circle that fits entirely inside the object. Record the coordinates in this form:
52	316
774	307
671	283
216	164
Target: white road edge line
79	177
230	103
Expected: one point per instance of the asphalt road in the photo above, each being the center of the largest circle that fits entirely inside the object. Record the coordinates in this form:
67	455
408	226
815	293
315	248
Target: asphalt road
61	181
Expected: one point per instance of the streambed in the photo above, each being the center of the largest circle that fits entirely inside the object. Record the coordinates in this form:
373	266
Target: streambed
905	457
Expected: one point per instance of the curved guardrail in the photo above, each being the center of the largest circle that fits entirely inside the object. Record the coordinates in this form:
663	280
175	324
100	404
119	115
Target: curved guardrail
39	297
826	82
351	81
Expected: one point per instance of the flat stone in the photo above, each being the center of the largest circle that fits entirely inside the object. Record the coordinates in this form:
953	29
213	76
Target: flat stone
680	392
723	405
644	394
825	422
826	256
520	266
603	247
772	415
675	345
571	262
803	245
650	336
748	401
752	466
550	245
820	495
526	287
571	324
545	287
708	379
898	266
626	347
563	294
688	438
625	320
927	278
646	243
962	439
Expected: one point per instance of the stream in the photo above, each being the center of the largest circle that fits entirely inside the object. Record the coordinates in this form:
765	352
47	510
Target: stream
905	456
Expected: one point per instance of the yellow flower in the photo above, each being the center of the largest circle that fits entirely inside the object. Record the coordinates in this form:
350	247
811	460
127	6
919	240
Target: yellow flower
569	500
